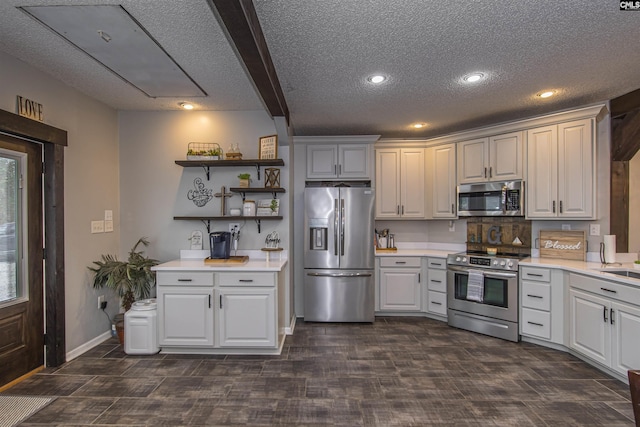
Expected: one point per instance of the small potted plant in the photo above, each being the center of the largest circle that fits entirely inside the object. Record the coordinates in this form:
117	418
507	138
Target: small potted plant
245	178
131	280
215	154
275	207
636	264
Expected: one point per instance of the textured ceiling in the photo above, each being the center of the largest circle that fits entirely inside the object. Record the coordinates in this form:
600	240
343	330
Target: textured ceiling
323	51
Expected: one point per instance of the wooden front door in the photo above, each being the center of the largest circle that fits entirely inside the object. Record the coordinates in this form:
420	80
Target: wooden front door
21	254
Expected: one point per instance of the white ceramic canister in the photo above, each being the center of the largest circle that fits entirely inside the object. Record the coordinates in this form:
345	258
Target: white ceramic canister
249	208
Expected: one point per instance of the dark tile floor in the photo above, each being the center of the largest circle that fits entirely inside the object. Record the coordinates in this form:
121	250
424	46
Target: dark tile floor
397	371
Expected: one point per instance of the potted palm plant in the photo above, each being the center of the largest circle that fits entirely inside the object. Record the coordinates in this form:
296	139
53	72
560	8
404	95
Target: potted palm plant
131	280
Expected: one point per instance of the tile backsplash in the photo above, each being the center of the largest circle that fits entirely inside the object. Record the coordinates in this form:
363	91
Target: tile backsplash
502	233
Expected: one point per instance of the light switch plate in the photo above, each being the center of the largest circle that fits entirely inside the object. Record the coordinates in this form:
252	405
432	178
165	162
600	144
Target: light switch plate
97	227
108	226
108	215
594	229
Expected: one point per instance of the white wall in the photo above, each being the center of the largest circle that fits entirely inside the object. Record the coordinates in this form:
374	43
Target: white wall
91	185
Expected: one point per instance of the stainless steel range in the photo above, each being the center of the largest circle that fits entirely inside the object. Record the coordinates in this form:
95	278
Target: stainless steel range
482	294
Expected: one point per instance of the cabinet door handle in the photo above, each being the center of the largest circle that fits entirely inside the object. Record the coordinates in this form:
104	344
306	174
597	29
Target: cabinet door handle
534	296
339	169
402	209
435	264
220	301
491	172
560	206
534	274
436	303
453	208
398	209
401	262
185	280
535	323
554	206
209	301
419	278
609	290
245	280
611	316
436	281
604	314
485	172
335	169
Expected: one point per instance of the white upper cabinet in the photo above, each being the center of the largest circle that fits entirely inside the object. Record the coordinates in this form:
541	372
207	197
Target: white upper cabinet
441	181
561	171
339	157
495	158
400	183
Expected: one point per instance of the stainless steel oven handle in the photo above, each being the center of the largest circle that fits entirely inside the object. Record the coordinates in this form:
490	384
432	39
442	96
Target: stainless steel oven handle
511	275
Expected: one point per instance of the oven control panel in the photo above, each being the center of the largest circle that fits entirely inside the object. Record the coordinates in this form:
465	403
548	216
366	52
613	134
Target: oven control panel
489	262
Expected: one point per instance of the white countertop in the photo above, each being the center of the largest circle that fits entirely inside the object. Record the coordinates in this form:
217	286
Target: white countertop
417	252
594	269
194	261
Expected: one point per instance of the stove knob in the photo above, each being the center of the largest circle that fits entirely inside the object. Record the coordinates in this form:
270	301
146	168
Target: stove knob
495	262
458	259
510	264
502	263
464	259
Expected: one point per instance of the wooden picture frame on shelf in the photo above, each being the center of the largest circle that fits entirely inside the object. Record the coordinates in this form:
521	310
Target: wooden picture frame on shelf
268	147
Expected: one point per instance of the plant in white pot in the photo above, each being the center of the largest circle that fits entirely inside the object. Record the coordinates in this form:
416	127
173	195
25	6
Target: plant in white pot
131	280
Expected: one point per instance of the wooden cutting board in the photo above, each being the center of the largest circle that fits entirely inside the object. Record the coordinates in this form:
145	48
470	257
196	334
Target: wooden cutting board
230	262
563	244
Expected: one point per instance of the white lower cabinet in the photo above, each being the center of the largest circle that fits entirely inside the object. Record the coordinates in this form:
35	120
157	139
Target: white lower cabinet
602	327
229	310
436	302
399	284
542	304
185	316
246	317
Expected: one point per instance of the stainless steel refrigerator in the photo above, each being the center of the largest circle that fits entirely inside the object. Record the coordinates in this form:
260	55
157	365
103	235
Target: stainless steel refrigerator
339	255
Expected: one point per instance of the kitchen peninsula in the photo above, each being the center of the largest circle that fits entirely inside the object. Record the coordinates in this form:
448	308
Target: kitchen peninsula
221	309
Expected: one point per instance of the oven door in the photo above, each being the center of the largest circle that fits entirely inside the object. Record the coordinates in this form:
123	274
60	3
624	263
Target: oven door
500	300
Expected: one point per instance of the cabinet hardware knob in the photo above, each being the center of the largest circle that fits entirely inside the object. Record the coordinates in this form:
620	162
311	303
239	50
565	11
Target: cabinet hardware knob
436	281
534	296
534	274
209	301
554	206
401	262
185	280
535	323
611	316
560	206
609	290
436	303
419	280
220	301
453	208
491	172
485	172
604	314
245	280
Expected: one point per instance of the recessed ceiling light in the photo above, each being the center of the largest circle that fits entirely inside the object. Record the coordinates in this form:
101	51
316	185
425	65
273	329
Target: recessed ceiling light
418	125
186	105
546	93
377	78
473	78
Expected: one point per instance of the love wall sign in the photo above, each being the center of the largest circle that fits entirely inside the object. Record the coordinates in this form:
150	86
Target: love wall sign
30	109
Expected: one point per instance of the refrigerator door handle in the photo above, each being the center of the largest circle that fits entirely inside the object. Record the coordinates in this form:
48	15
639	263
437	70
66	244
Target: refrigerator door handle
342	227
339	274
336	218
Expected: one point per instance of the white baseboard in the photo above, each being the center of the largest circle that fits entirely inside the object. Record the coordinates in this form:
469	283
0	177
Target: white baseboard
289	329
88	346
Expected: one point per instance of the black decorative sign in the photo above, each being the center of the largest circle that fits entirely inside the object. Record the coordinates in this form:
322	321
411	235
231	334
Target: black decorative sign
200	196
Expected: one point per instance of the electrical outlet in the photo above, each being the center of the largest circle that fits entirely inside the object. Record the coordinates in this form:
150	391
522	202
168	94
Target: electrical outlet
100	301
566	226
108	215
108	226
97	227
594	229
234	227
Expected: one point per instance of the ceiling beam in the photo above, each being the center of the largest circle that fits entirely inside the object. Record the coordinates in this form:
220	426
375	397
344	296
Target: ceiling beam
240	22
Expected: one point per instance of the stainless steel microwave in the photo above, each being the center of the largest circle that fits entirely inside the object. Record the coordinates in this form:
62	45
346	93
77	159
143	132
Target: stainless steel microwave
491	199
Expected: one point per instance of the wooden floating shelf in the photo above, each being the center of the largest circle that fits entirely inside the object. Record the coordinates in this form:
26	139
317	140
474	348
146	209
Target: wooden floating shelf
208	219
206	164
256	190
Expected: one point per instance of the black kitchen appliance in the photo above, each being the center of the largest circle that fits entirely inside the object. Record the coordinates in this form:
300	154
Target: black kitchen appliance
220	242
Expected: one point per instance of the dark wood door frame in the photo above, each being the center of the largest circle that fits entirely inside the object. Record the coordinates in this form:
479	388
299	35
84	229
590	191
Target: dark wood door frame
54	140
625	143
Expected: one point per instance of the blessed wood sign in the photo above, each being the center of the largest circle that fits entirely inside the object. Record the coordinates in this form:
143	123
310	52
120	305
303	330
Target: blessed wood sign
30	109
563	244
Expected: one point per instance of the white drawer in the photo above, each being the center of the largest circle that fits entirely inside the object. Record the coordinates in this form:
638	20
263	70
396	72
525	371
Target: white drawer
439	263
399	261
186	278
437	303
606	288
537	274
246	279
536	323
437	280
536	295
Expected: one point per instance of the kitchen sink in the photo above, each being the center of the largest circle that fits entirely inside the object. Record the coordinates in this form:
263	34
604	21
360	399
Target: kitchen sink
626	273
